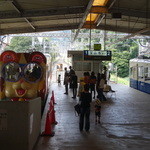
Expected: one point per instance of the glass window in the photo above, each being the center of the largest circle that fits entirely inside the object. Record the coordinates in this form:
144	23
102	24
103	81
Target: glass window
140	72
131	71
134	72
86	66
78	66
77	58
147	73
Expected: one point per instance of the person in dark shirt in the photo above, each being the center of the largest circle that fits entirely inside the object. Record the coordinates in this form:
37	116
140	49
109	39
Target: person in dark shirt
71	72
92	83
59	79
65	74
85	100
74	84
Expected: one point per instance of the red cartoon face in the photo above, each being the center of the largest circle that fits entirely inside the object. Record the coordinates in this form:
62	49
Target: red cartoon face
22	75
21	79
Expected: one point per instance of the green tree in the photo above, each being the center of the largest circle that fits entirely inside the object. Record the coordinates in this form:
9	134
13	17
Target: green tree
20	44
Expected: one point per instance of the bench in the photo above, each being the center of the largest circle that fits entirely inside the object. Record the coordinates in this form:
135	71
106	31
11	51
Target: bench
108	91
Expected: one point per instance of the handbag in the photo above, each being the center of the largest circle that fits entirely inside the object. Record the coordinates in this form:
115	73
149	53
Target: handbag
77	108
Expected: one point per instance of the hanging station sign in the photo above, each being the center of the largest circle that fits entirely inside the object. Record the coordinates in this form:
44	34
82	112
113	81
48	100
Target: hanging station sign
97	55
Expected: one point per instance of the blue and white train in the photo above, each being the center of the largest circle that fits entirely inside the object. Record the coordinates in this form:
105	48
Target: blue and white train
140	74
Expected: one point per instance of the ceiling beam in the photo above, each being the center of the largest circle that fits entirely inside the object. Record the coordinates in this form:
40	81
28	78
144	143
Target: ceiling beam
131	12
113	28
40	29
16	6
60	18
40	13
131	35
83	19
101	17
20	11
99	9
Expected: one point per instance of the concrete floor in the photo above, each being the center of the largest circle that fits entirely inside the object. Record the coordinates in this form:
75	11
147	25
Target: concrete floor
125	123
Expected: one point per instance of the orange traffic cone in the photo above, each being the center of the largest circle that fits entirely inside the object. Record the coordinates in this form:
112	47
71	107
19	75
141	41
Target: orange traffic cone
53	98
51	104
48	128
52	116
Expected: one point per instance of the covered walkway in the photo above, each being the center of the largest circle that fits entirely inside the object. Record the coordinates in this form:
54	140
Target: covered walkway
125	123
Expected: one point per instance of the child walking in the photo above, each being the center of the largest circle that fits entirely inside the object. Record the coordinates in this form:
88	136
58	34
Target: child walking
59	79
97	111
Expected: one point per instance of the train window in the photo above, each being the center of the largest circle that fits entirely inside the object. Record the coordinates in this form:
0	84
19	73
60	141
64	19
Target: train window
134	72
147	73
140	72
131	71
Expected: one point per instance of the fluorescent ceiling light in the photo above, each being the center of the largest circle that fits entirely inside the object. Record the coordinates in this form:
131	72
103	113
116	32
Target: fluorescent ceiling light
94	16
100	2
91	17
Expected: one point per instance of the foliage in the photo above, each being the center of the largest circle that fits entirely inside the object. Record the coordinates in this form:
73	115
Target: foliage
119	80
20	44
122	52
24	44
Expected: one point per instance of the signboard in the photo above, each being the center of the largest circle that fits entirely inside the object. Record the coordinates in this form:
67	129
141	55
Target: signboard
97	46
97	55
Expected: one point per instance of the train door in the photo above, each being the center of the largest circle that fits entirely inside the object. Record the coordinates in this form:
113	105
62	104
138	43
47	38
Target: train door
133	74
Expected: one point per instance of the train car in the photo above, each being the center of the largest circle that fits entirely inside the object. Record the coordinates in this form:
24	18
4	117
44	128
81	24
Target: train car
140	74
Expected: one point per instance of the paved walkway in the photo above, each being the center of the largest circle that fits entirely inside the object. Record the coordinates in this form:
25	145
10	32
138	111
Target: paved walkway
125	123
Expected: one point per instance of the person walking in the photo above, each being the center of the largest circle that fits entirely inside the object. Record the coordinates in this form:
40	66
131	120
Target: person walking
65	74
97	107
92	83
98	78
66	82
85	100
81	87
59	79
71	72
86	77
74	84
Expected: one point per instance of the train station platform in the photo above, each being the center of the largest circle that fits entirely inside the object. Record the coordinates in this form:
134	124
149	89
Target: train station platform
125	123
